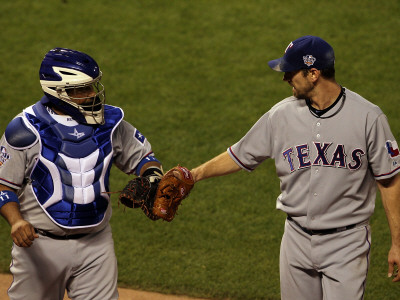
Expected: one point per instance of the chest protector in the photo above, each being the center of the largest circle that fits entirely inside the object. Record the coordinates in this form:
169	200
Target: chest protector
70	180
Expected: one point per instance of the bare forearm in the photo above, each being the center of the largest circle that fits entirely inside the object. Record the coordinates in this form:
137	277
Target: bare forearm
390	193
220	165
11	213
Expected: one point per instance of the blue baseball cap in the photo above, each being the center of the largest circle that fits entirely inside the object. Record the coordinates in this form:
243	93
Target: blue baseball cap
305	53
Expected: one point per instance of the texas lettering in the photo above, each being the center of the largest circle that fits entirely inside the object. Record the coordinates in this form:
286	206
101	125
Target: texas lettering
298	157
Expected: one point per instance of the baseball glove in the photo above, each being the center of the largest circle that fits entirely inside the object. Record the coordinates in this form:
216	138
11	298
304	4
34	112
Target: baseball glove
141	191
173	187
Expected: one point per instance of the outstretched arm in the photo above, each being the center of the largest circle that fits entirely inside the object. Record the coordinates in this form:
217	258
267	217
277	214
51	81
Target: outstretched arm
390	193
220	165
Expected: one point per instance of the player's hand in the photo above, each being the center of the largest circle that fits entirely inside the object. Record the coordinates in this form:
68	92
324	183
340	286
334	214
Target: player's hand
23	233
394	263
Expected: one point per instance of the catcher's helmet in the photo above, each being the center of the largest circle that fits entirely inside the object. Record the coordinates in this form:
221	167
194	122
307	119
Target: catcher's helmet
65	71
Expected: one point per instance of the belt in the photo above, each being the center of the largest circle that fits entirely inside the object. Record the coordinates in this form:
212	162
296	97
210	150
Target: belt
60	237
323	231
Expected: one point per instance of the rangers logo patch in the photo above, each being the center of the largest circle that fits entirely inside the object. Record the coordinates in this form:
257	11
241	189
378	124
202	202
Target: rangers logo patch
140	137
392	148
4	156
309	60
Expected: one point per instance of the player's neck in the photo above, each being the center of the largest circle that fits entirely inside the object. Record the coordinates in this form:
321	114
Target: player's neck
52	109
57	111
325	95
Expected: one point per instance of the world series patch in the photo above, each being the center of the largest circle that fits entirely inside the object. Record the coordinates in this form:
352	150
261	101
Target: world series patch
309	60
4	156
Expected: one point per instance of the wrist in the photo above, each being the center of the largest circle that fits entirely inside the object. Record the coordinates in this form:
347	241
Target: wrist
154	174
10	211
196	173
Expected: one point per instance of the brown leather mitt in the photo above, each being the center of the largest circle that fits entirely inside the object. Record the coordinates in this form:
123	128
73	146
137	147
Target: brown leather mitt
174	186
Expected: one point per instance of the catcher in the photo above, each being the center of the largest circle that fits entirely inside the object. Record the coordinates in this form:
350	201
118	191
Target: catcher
157	194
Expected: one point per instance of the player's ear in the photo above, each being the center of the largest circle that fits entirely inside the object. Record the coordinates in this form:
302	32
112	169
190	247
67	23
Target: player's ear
314	74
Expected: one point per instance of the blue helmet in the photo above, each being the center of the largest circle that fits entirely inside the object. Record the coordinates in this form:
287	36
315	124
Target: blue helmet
64	74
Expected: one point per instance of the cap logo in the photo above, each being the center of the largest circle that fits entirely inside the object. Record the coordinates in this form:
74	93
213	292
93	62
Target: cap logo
309	60
289	46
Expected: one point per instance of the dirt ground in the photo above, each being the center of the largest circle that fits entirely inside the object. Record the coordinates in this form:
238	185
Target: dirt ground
124	294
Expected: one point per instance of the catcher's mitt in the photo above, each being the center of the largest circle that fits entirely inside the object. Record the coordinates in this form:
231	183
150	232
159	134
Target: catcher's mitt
174	186
140	192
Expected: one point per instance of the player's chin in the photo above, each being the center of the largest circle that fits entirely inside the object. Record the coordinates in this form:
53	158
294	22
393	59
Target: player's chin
298	95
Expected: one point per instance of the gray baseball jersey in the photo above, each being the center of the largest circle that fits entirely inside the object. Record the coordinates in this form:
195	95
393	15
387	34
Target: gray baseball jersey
87	176
326	166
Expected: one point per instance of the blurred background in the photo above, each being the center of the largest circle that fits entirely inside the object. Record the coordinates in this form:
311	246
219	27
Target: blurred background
192	76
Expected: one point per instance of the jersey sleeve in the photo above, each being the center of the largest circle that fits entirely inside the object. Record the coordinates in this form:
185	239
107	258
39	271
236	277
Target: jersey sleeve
383	150
130	147
12	165
255	147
